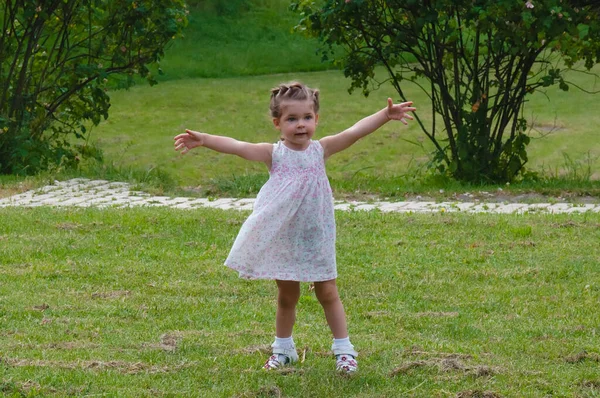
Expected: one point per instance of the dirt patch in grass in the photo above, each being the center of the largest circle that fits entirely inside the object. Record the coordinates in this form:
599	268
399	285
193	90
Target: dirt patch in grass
478	394
405	367
583	356
449	364
444	362
418	351
41	307
62	345
446	365
118	366
168	342
289	370
483	371
432	314
592	384
263	392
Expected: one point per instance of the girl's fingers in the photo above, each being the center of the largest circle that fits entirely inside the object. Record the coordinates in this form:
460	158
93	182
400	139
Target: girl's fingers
187	134
403	116
180	145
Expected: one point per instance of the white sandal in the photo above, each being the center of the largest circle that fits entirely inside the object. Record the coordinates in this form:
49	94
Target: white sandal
346	363
345	359
281	357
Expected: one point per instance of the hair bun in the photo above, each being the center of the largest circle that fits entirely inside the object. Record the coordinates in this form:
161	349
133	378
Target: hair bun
292	91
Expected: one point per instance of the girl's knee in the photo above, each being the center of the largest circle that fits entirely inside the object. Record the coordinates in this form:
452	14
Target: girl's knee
327	292
287	300
289	294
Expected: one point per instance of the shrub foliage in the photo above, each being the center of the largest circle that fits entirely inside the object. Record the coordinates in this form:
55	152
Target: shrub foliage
56	57
480	59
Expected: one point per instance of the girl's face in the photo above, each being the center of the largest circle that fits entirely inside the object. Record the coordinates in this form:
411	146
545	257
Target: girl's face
297	123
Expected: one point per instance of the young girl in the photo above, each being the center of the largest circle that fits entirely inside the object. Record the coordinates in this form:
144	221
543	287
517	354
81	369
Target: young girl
290	235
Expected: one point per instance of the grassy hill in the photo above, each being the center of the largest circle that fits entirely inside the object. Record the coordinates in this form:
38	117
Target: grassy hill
240	38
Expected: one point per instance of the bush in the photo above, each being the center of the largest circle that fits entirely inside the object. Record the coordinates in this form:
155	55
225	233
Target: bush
56	58
480	60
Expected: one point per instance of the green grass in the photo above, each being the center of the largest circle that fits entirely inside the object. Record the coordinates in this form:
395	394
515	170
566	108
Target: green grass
136	303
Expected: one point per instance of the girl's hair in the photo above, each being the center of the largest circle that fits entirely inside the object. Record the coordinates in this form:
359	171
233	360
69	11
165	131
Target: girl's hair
292	91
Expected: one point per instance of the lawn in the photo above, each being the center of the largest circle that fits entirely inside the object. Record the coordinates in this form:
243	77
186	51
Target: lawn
136	302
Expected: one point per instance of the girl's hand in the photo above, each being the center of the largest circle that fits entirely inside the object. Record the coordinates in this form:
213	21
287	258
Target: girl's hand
399	111
190	139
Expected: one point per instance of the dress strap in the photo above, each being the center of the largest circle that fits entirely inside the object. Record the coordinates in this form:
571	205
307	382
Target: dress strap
276	154
318	146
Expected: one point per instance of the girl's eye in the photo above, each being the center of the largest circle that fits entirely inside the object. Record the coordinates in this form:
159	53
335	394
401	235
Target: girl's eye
308	117
291	119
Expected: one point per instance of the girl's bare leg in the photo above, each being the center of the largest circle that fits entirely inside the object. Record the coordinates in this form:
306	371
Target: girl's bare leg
287	298
328	296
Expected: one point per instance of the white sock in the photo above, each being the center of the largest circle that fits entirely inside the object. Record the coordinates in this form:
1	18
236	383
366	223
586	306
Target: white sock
343	345
341	342
284	342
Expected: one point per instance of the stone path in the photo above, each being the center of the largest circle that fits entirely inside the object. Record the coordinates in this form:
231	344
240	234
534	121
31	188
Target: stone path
82	192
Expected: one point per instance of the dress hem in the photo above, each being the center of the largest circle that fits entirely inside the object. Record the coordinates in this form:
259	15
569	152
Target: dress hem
249	276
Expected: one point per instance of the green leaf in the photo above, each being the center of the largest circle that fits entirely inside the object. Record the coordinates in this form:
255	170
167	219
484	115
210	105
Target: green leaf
584	30
563	85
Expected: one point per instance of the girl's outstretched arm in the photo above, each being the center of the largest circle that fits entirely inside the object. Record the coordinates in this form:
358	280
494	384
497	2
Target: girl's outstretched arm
336	143
192	139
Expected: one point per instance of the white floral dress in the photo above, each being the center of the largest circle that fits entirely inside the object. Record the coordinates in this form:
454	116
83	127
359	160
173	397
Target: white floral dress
290	234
